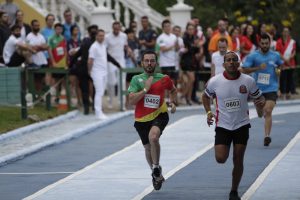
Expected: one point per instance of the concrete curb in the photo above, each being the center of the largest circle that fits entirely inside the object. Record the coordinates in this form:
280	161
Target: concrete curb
38	125
58	140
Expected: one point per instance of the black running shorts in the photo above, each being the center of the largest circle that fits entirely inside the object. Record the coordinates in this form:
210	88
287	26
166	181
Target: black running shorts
271	96
238	136
143	128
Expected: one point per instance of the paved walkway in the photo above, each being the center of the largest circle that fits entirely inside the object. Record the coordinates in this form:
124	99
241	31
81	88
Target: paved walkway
75	124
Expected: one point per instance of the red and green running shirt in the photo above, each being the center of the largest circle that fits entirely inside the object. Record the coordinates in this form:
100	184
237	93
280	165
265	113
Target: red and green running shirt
58	46
152	104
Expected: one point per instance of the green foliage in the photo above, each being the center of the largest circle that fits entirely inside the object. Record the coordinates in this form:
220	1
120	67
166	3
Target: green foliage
280	12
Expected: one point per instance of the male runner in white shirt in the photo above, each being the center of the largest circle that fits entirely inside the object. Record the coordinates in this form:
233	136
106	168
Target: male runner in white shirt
231	90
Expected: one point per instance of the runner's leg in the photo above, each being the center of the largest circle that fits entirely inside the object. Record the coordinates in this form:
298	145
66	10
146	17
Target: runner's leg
154	144
238	165
268	108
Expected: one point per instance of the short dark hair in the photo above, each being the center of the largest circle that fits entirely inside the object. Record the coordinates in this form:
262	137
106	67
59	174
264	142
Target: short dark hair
14	27
128	30
230	52
33	21
116	23
67	10
49	15
100	30
93	26
149	52
73	27
265	36
166	21
58	25
174	27
222	39
144	17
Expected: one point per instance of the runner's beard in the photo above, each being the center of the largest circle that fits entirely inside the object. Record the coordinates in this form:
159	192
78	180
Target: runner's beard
150	69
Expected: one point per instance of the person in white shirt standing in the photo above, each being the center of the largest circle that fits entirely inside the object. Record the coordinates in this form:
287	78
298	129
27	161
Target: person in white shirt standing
37	42
97	68
217	58
97	65
168	46
116	44
231	90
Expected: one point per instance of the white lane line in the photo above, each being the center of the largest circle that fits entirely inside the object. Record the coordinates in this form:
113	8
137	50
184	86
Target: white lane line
149	189
281	110
35	173
89	167
257	183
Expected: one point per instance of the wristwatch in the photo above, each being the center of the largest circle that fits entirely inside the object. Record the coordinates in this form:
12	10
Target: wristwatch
144	90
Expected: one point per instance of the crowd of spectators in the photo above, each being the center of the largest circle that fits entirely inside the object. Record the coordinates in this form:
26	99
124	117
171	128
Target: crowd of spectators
187	56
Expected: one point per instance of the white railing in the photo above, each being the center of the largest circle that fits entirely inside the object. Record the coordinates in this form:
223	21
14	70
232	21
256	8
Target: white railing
124	10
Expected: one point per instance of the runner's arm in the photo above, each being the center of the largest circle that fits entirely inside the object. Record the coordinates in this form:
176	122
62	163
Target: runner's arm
206	102
133	98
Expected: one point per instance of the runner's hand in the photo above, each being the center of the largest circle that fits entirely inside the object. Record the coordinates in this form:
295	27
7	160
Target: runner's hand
173	107
210	118
260	102
148	83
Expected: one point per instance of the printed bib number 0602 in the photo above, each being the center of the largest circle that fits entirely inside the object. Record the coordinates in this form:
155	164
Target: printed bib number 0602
232	104
151	101
263	78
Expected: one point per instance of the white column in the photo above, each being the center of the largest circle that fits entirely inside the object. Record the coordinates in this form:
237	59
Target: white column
103	17
117	10
44	4
126	17
180	14
108	4
53	8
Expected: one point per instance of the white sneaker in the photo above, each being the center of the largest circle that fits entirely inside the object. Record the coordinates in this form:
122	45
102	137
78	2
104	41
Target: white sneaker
102	116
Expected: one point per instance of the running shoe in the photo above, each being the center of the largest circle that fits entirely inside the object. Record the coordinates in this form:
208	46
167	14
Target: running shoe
267	141
233	195
157	178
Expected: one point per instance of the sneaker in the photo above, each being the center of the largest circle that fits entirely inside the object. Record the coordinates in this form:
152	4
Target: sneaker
233	195
101	116
267	141
157	178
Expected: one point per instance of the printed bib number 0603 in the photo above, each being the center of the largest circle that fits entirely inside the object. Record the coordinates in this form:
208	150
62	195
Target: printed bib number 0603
263	78
151	101
232	104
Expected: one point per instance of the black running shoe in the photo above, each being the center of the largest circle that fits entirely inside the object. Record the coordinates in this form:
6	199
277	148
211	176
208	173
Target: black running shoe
157	178
267	141
233	195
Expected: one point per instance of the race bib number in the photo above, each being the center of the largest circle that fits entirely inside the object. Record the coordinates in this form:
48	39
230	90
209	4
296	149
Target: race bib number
232	105
263	78
151	101
60	51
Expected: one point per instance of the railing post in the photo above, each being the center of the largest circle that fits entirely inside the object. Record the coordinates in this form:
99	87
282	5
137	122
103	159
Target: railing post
180	13
121	89
23	93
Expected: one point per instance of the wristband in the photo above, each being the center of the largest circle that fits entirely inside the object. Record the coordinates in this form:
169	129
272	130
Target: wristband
144	90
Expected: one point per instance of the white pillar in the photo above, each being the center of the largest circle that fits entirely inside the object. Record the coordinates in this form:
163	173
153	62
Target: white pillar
180	14
126	17
103	17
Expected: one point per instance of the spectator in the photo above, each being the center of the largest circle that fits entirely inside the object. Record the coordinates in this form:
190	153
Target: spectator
207	56
4	32
97	64
286	46
133	27
248	42
25	28
68	24
116	44
58	47
10	8
188	59
235	37
217	58
213	44
147	36
82	67
16	51
262	29
168	46
38	43
72	48
48	31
